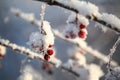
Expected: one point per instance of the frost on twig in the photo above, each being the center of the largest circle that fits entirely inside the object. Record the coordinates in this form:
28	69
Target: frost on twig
113	73
89	10
112	52
28	52
32	55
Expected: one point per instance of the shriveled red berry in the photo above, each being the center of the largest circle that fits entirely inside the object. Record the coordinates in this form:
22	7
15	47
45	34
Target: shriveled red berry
82	26
50	46
46	57
82	34
41	49
66	36
2	56
72	35
50	52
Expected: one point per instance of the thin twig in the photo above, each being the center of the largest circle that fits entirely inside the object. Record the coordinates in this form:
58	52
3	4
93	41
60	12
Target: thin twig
112	51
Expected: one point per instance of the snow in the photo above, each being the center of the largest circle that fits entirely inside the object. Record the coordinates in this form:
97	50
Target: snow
81	19
84	8
38	40
111	19
29	73
95	71
29	17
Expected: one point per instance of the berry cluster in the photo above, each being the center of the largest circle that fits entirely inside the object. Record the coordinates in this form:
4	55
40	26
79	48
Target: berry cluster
80	32
42	41
49	53
76	27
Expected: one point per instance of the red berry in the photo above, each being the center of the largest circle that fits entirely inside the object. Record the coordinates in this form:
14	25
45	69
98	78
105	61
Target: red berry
66	36
46	57
82	34
50	46
50	52
2	56
82	26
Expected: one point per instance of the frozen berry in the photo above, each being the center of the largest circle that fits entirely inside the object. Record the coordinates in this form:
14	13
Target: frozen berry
2	56
72	35
41	49
50	52
82	26
66	36
46	57
50	46
82	34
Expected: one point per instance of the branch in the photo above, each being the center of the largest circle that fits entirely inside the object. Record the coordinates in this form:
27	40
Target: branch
33	55
79	42
83	45
72	5
112	51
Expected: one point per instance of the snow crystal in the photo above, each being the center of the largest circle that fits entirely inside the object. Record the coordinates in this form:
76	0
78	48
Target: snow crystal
81	19
101	27
69	64
71	30
84	8
49	38
56	61
110	19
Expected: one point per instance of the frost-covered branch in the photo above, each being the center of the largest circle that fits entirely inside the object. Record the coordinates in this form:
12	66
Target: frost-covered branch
112	51
89	10
82	44
30	18
32	55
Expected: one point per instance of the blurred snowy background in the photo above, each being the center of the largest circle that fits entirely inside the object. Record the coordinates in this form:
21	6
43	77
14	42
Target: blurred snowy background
17	30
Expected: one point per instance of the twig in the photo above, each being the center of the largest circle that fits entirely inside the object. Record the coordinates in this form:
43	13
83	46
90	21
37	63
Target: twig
112	51
87	48
32	55
58	34
72	8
